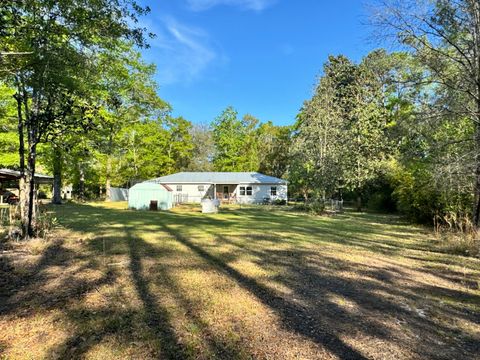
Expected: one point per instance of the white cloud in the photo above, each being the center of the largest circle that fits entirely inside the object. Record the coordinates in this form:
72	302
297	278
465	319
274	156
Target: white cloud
182	52
255	5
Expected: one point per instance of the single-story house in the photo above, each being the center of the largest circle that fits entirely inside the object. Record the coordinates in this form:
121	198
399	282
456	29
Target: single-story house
229	187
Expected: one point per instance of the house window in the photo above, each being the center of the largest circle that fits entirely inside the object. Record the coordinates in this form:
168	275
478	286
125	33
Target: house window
242	190
273	191
201	188
249	190
179	187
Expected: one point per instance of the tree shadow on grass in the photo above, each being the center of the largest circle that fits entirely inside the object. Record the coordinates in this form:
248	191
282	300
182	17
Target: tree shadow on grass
315	316
344	229
155	317
24	291
294	317
122	320
457	277
310	285
158	319
152	319
312	281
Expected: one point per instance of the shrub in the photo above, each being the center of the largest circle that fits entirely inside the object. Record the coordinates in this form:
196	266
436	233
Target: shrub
421	196
456	233
279	202
460	244
316	207
301	206
46	222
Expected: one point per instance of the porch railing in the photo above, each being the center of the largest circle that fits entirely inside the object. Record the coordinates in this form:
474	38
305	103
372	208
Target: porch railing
229	198
180	199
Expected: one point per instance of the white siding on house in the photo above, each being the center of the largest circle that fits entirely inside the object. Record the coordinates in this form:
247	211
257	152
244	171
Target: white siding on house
185	186
259	192
192	192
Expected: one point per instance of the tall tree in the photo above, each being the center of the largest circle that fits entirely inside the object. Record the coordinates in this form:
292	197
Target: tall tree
203	148
229	141
444	36
340	135
236	142
59	41
274	149
127	94
152	148
250	159
316	148
366	142
8	131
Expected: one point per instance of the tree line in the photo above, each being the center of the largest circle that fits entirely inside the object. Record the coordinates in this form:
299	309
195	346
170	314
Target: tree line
400	130
395	131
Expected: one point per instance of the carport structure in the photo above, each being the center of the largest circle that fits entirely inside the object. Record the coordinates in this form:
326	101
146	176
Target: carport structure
10	178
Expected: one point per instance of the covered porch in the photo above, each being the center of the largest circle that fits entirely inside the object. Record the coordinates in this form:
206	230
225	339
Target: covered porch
226	193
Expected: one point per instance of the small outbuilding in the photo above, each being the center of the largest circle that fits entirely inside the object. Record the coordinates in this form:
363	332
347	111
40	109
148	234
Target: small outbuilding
150	196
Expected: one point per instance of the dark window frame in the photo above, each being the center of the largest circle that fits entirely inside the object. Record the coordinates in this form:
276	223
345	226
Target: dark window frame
179	188
273	191
242	191
201	188
249	190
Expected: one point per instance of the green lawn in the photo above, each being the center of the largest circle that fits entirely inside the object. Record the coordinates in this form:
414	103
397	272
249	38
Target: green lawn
251	282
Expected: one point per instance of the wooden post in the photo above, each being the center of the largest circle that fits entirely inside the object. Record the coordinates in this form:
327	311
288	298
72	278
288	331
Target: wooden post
104	252
10	220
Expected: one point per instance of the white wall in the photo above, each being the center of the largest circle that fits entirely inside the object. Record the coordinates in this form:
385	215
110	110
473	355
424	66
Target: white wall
259	192
191	190
118	194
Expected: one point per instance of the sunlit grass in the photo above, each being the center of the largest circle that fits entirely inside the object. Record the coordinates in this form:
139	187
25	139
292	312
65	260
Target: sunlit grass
248	282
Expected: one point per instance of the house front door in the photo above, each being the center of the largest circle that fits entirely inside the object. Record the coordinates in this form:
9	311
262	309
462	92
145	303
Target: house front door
225	192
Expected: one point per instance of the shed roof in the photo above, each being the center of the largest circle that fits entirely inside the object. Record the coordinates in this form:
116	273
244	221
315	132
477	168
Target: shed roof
149	185
8	174
218	178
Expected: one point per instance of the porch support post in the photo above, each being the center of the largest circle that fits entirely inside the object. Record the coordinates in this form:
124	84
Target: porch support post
215	191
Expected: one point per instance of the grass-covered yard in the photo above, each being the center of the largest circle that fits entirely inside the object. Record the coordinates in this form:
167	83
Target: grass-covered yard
245	283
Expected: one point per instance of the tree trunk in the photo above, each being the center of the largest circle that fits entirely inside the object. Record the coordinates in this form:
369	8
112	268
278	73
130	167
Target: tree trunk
476	117
81	187
22	195
57	176
359	203
305	195
108	192
107	181
32	157
476	207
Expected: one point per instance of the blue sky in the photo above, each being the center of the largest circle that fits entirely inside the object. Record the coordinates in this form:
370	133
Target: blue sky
260	56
